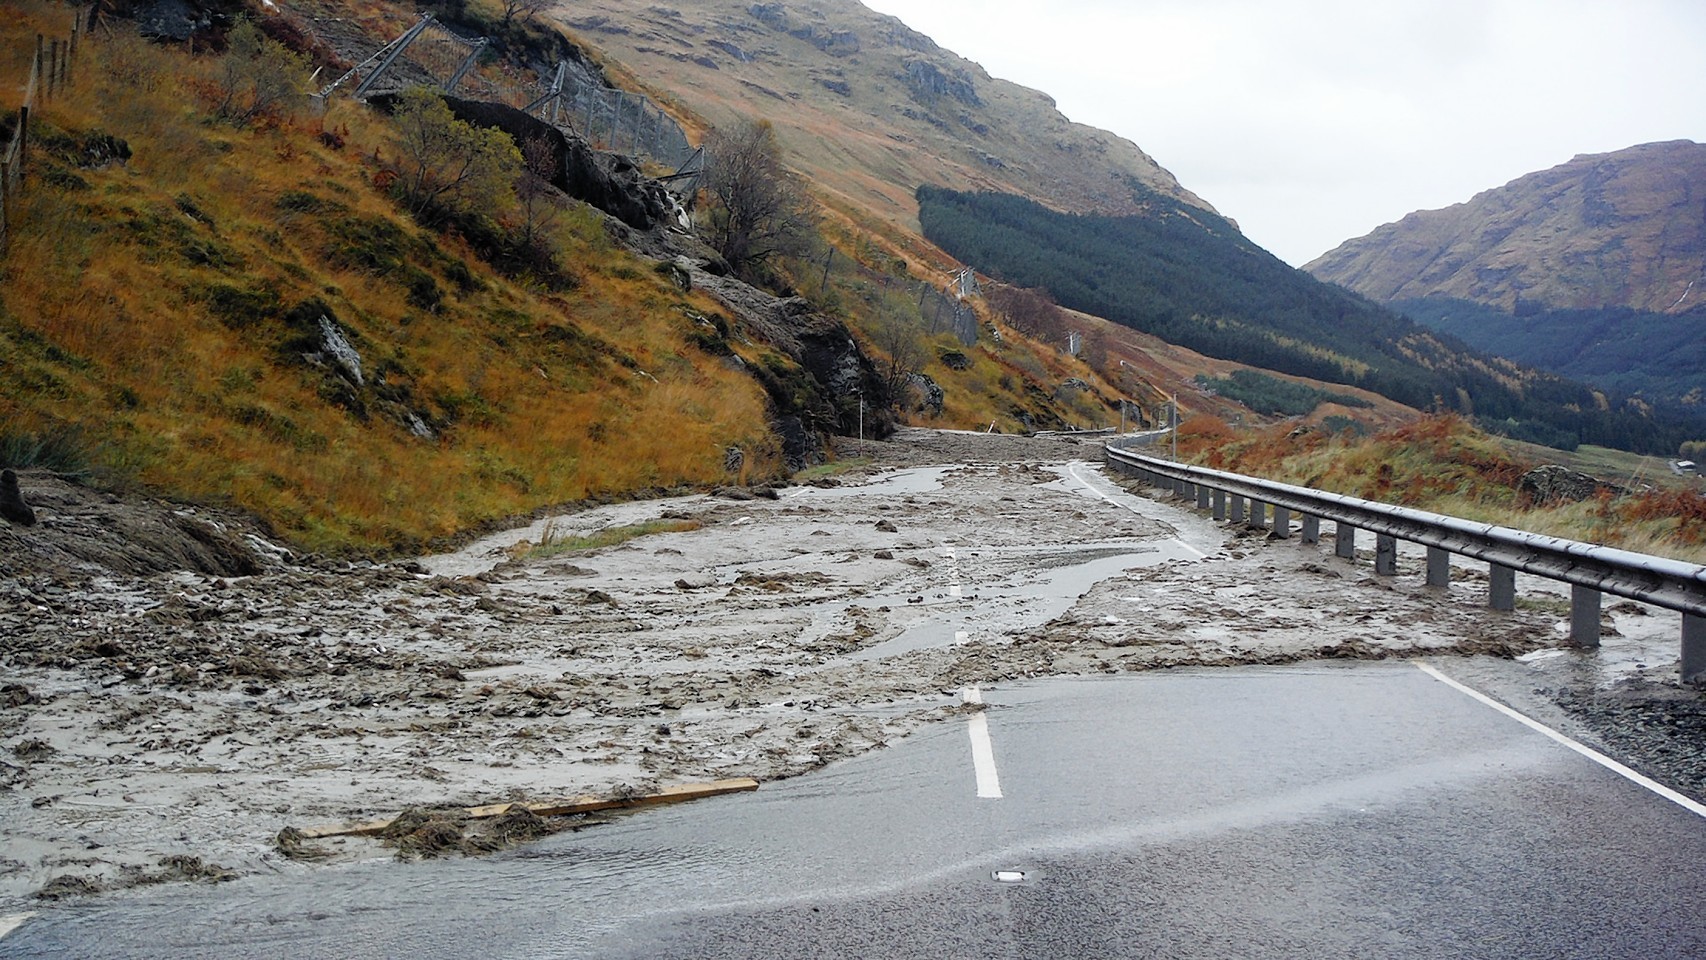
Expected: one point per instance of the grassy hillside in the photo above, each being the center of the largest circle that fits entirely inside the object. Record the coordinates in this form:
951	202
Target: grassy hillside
1443	464
181	288
153	316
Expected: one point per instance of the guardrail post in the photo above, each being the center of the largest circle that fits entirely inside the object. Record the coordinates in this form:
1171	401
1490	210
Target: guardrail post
1693	648
1439	567
1220	505
1282	522
1237	509
1584	616
1258	515
1385	555
1311	528
1202	497
1501	587
1345	540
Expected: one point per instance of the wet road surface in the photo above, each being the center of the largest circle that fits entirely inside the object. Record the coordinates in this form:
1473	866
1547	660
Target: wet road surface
1326	811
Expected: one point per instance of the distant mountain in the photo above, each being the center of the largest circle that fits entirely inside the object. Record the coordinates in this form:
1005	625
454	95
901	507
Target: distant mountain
1624	229
1595	269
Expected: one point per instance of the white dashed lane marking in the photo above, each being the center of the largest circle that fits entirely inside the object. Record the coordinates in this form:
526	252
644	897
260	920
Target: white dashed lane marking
982	749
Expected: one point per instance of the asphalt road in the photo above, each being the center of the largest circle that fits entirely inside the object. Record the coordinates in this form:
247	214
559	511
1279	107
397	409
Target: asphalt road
1353	810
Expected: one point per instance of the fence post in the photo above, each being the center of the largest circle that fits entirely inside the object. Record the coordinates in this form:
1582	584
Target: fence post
1693	648
1282	522
1584	616
1220	505
1385	555
1439	567
23	144
1345	540
1311	528
1501	587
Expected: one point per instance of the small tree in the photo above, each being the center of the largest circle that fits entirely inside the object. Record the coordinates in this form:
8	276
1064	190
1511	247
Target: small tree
538	198
258	76
1031	312
525	9
449	166
756	208
903	354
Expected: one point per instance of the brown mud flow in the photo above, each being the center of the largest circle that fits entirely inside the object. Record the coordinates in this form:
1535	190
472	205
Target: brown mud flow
182	698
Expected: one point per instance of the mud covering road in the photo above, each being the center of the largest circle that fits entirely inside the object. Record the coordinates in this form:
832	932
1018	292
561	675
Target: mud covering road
178	693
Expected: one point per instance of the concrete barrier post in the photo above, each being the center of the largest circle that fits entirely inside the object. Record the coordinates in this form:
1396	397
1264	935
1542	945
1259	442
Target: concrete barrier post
1311	529
1258	515
1220	505
1202	497
1584	616
1385	555
1282	522
1237	509
1345	541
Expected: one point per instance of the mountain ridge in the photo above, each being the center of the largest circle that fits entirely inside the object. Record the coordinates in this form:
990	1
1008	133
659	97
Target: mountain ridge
946	120
1619	229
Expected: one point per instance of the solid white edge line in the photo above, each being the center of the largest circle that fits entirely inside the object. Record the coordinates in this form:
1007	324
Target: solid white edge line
1072	468
982	749
13	921
1686	803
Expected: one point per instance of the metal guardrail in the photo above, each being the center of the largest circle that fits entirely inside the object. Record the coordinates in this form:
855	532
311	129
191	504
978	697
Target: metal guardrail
1590	570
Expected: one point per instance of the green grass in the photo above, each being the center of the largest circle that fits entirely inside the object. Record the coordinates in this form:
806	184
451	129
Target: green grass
833	468
552	545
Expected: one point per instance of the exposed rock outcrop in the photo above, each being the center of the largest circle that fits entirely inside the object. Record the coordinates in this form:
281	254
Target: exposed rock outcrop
610	183
1555	484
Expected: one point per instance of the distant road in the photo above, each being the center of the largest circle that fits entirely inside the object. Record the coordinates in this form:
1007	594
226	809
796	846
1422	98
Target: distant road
1358	810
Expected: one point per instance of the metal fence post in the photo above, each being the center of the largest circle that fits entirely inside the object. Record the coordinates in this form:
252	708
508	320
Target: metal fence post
1220	504
1439	567
1258	515
1282	522
1693	648
1501	587
1385	555
1311	528
1345	540
1237	509
1202	497
1584	615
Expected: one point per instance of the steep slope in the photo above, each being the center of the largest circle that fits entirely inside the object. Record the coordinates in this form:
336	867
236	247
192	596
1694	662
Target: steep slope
1196	282
868	108
1624	229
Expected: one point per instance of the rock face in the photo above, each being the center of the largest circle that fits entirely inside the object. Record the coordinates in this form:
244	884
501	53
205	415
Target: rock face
1624	229
1554	484
610	184
12	504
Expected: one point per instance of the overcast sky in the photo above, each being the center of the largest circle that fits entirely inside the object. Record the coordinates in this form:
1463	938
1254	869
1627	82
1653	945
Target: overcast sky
1314	121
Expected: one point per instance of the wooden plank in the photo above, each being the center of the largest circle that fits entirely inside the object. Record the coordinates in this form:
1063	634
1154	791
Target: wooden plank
557	808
